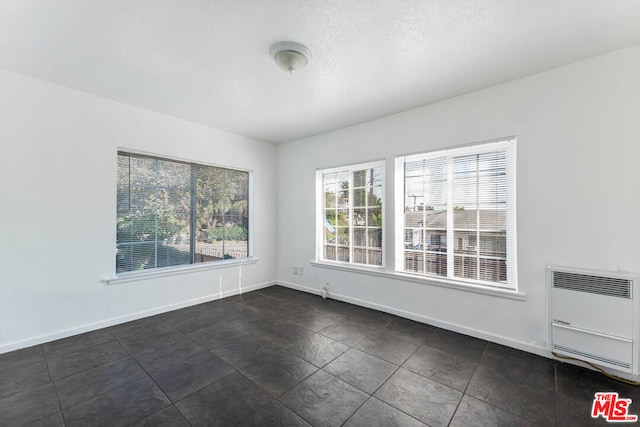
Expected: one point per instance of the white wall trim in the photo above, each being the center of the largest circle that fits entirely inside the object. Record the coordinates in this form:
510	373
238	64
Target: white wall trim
170	271
41	339
498	339
429	281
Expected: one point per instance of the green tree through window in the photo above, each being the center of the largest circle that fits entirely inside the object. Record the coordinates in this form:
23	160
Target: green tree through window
174	213
351	214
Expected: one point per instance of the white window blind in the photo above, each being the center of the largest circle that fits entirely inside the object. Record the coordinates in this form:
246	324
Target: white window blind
458	214
172	213
350	206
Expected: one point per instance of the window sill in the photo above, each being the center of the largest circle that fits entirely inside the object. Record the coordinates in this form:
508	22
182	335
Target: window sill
443	283
171	271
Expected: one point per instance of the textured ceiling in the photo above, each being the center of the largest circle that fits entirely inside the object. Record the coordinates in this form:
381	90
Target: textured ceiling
208	60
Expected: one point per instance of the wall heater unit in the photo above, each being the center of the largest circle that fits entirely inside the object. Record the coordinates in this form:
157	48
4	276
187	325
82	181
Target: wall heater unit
593	316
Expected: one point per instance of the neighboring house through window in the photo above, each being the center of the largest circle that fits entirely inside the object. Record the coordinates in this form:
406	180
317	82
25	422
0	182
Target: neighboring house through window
457	216
350	206
172	213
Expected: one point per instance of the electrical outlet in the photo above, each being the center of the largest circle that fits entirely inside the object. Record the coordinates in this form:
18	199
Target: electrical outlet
295	270
301	271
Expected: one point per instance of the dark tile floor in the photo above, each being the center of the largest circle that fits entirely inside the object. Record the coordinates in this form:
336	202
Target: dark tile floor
282	357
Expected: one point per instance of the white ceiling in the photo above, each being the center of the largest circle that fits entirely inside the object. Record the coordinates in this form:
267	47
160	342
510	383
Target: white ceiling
208	60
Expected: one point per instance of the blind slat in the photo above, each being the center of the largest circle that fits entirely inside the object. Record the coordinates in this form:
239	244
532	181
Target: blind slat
173	213
459	214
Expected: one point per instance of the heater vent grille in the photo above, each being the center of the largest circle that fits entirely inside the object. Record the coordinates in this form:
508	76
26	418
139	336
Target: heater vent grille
601	285
595	357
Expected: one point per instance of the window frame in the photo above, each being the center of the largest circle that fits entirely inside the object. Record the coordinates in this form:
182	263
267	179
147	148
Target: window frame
320	215
192	266
508	145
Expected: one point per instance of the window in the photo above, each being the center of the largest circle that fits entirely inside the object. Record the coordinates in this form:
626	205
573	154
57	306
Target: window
456	214
173	213
350	214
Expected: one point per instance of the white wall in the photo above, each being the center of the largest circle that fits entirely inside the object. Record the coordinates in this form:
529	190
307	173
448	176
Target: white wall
577	190
58	206
577	199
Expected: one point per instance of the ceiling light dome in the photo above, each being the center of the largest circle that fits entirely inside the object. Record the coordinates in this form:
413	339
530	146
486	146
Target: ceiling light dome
290	56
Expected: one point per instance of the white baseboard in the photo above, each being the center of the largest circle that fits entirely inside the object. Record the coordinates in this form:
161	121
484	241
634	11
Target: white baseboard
41	339
498	339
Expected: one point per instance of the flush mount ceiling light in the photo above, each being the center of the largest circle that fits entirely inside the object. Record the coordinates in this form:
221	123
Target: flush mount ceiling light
290	56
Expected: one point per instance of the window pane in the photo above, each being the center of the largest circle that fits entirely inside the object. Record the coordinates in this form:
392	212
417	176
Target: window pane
329	229
343	254
436	264
330	199
375	257
360	217
124	186
414	262
493	270
135	256
360	178
413	238
435	240
172	213
222	214
359	197
493	244
375	238
374	196
142	172
359	237
493	220
343	235
459	197
342	189
436	219
330	252
374	217
466	267
173	254
343	217
351	202
142	227
425	216
465	242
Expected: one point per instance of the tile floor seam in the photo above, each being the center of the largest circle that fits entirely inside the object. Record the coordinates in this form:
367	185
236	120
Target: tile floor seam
261	408
337	378
390	405
165	394
92	367
439	382
357	409
287	390
292	410
81	349
43	345
456	410
484	352
371	395
351	384
148	375
100	395
308	361
381	358
172	405
55	388
464	393
530	403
